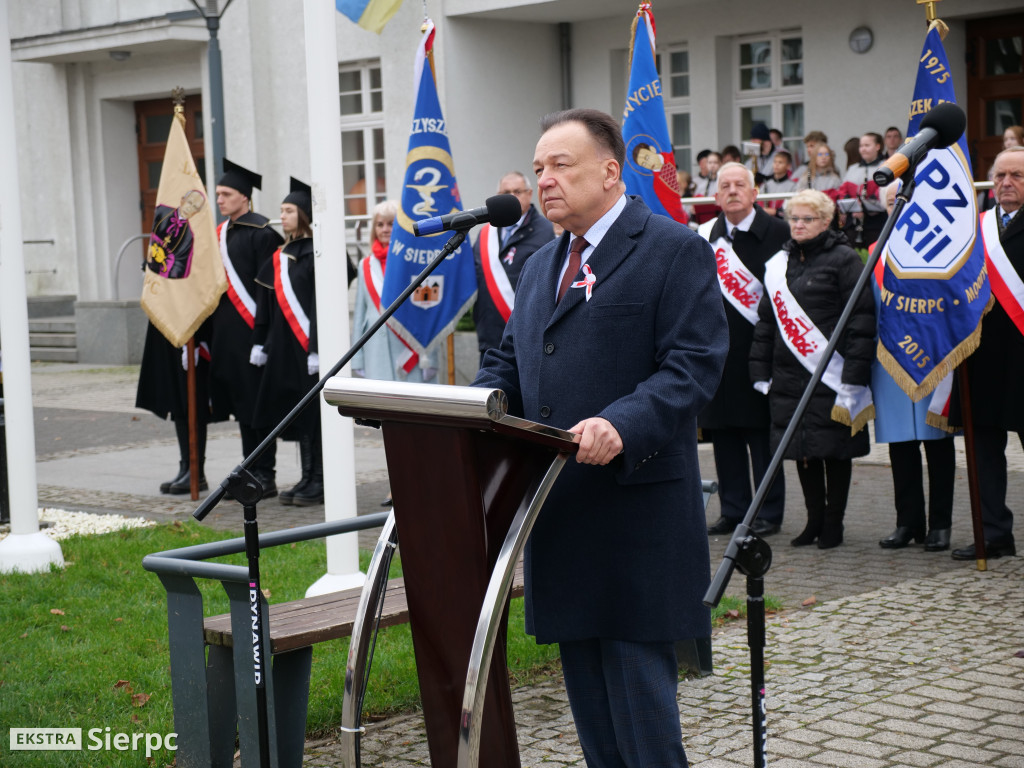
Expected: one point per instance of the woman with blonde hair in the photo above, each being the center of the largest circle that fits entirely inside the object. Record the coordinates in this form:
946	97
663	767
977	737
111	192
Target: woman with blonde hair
821	173
807	285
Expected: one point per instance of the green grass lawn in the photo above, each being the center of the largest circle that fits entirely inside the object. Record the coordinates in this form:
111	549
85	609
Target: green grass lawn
86	646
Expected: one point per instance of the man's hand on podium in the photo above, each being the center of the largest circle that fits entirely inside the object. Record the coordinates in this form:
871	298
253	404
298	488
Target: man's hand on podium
599	441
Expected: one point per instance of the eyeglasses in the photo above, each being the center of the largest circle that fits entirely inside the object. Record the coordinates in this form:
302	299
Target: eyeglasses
805	220
515	192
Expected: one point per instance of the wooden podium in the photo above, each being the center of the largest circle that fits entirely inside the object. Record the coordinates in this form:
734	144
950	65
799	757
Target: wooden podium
468	481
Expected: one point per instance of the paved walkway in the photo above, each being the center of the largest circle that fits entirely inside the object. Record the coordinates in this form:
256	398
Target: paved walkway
879	658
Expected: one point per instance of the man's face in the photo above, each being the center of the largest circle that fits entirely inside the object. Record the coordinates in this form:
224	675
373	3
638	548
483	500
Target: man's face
735	195
893	140
714	162
575	177
514	184
1008	180
780	165
231	202
868	149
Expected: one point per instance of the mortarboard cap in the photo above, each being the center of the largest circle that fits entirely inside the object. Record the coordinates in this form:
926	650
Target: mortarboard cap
301	194
760	131
237	177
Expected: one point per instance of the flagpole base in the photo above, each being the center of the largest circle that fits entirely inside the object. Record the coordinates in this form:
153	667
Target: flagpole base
29	553
336	582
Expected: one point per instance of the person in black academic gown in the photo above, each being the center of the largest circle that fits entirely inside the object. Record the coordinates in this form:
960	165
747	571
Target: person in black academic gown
285	343
247	243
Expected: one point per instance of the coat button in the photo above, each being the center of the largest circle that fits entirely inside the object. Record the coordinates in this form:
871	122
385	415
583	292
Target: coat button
549	348
545	411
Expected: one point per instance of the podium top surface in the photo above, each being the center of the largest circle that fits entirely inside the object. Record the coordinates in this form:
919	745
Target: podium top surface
376	399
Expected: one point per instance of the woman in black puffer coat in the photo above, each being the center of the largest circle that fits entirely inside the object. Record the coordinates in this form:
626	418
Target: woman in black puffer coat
821	272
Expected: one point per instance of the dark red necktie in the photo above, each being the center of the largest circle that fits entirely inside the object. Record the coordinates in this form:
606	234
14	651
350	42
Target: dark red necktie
576	249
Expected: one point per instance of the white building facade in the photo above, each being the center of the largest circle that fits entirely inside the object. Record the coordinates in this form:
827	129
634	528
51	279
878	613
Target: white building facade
89	74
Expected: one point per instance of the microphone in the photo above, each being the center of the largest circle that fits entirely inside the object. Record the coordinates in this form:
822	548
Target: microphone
940	128
500	210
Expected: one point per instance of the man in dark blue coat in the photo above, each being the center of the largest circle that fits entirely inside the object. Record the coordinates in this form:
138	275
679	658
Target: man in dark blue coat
619	336
499	254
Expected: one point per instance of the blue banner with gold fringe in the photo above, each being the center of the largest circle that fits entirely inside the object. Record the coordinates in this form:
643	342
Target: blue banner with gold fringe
934	289
650	170
429	189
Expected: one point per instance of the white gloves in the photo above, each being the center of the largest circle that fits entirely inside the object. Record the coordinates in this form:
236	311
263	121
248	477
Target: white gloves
429	374
257	356
763	386
313	364
202	348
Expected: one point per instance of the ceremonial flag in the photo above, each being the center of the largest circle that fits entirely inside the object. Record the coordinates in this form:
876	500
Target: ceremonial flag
429	189
935	287
650	170
184	277
369	14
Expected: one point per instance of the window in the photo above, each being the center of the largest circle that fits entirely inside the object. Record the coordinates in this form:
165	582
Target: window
362	139
676	96
770	86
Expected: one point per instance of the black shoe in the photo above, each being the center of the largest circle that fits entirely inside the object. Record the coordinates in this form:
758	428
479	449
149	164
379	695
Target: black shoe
310	495
764	528
723	525
937	540
288	497
831	536
901	537
1003	546
182	469
184	484
387	501
266	481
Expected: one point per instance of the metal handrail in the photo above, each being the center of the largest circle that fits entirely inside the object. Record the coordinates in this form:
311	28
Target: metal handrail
186	561
978	186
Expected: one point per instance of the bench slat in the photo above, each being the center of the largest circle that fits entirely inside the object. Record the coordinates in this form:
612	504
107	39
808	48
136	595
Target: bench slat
299	623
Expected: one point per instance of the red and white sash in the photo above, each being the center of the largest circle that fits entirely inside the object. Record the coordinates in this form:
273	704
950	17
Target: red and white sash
498	286
1006	283
853	404
938	406
373	277
739	287
297	319
237	293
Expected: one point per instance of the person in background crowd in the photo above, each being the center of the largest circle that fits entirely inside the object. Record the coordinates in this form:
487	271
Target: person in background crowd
702	165
707	188
776	136
820	272
731	154
901	423
285	343
499	255
598	346
743	237
893	140
996	369
863	227
821	174
761	164
811	142
1013	137
852	150
779	181
247	245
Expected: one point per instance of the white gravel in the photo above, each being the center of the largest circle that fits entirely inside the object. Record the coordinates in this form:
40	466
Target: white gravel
64	524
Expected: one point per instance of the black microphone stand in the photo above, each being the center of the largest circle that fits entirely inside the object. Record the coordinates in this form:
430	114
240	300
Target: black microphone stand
245	488
746	550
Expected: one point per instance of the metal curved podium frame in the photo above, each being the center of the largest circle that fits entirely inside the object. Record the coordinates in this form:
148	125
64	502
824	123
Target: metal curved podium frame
460	550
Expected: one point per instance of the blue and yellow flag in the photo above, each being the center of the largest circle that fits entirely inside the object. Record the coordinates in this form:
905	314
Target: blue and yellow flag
650	170
934	286
430	189
369	14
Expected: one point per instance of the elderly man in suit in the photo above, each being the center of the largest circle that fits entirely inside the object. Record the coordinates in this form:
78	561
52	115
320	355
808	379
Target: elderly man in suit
619	336
996	368
499	254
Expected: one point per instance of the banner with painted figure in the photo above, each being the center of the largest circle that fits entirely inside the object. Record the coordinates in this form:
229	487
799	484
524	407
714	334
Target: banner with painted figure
371	15
429	189
650	170
934	288
184	276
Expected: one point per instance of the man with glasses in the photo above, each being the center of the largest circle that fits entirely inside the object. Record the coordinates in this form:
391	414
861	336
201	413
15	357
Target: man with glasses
499	254
743	237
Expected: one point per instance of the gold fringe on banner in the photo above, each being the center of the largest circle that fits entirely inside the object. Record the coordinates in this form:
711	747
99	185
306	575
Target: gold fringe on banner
856	425
960	352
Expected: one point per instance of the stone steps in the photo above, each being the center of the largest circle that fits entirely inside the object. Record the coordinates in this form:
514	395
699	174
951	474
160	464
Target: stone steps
52	339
